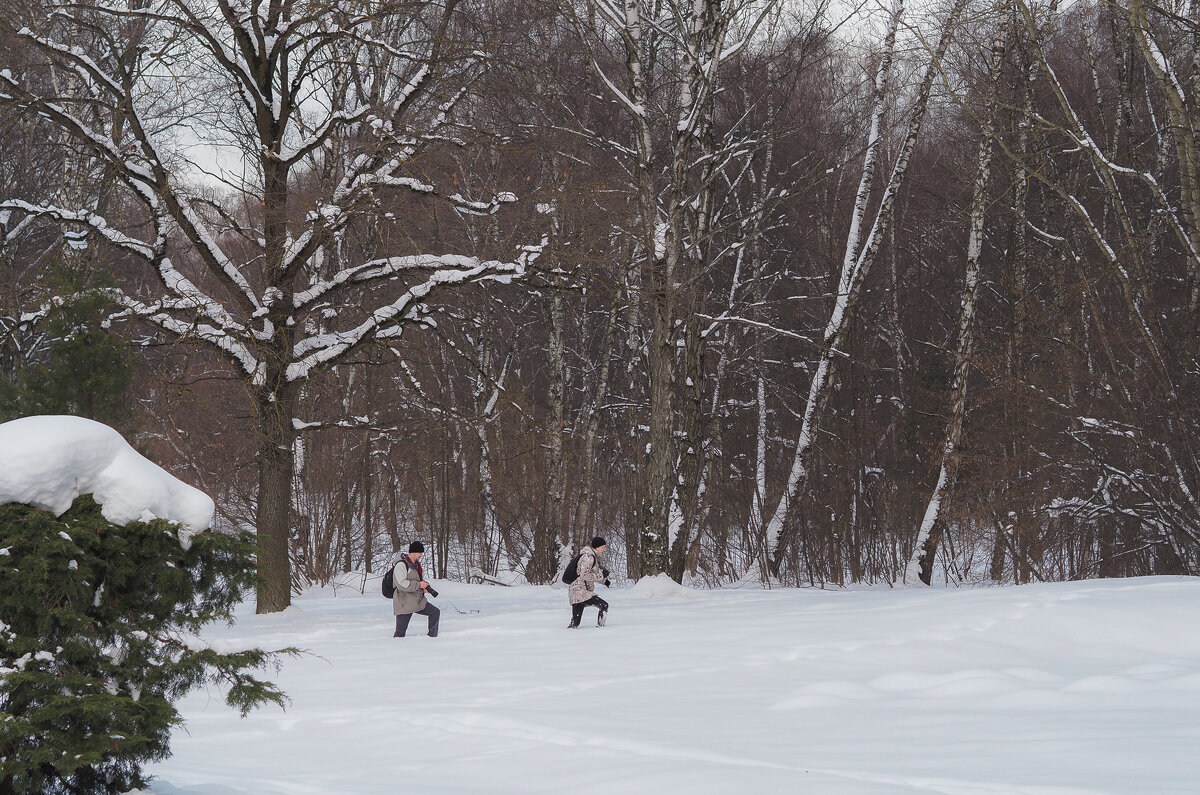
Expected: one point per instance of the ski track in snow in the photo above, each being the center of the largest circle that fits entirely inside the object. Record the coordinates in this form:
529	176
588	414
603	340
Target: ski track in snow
1088	688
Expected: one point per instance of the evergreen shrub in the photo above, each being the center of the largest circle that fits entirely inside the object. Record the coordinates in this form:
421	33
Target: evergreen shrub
98	640
82	368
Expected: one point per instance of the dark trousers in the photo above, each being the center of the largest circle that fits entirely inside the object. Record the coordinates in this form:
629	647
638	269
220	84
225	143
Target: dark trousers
595	601
434	614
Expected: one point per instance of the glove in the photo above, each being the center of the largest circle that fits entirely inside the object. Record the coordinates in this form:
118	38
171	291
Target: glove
605	572
607	584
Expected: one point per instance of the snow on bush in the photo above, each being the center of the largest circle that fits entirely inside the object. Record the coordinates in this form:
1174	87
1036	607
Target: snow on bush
49	461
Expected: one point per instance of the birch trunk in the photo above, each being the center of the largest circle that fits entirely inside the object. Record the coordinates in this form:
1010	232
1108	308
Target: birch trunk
1126	261
933	525
487	395
692	455
856	265
1017	261
773	535
1184	135
368	507
673	56
583	506
548	533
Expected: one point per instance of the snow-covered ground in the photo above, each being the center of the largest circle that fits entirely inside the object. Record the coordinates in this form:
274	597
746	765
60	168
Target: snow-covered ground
1060	689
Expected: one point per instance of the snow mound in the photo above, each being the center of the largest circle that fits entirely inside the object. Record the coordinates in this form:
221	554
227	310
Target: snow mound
49	461
658	586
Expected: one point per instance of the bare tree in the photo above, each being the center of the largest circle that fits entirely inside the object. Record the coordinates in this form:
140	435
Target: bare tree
674	58
243	273
859	256
933	524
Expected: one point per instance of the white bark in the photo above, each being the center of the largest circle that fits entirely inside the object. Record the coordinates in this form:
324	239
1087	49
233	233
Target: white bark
856	264
920	563
674	52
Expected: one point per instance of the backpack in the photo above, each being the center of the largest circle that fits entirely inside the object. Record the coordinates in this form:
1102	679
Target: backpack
571	572
389	583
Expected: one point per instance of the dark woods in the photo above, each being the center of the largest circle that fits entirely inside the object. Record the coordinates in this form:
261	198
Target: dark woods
732	350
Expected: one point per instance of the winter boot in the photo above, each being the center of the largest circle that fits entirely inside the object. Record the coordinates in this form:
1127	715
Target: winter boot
600	619
576	616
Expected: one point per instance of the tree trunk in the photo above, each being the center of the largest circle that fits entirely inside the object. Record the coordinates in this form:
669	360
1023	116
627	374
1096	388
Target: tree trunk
368	507
691	454
276	464
933	525
583	505
855	268
487	396
858	257
1016	261
773	532
658	473
543	562
1184	135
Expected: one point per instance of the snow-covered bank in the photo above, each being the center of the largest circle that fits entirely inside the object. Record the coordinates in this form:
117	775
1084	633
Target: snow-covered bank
1060	689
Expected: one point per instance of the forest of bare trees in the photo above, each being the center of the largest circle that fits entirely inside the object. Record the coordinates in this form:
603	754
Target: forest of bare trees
794	292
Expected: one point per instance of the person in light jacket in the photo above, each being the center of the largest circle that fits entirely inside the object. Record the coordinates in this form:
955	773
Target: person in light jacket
583	589
410	592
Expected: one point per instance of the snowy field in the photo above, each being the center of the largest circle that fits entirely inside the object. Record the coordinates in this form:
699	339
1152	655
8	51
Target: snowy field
1061	689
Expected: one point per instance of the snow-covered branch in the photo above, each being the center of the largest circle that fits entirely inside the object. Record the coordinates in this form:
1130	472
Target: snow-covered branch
390	320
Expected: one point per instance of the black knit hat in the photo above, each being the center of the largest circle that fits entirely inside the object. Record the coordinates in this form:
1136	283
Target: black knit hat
598	542
416	546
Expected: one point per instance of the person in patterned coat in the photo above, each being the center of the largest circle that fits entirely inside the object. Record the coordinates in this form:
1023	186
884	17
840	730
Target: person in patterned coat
583	589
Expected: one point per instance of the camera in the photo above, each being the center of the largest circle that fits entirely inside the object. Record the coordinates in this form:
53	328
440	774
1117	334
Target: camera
429	590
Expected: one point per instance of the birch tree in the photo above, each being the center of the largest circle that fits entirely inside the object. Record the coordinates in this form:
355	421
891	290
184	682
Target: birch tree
862	246
1183	124
1137	199
920	565
673	54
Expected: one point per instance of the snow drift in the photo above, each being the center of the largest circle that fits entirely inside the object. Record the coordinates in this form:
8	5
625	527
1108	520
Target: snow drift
48	461
659	586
